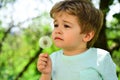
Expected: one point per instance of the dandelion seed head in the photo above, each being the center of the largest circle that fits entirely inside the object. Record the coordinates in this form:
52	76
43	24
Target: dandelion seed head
45	42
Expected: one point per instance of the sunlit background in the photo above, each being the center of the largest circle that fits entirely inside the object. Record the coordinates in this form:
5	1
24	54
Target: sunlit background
24	10
23	22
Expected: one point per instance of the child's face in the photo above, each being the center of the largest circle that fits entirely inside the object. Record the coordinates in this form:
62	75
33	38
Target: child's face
66	33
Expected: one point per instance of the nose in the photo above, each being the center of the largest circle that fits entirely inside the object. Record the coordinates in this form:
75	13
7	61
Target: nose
58	30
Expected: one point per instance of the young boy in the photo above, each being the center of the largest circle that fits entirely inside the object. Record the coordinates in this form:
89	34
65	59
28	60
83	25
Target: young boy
77	24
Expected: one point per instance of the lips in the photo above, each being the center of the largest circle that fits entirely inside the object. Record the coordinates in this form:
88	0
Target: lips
58	38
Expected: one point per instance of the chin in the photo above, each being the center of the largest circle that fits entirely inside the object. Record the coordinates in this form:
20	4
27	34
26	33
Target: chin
59	46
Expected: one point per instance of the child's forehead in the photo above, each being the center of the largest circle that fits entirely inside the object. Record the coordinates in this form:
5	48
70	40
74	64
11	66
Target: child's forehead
62	13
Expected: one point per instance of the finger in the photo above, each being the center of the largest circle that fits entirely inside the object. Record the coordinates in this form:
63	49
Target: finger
41	67
43	55
43	59
42	63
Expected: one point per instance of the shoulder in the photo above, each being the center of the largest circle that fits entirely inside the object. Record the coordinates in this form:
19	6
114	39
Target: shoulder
105	65
55	57
56	53
102	51
99	53
104	58
102	54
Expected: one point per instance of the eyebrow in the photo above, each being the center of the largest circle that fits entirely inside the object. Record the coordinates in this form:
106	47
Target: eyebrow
67	22
64	21
54	21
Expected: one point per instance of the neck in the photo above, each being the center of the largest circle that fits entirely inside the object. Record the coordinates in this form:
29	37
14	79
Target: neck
71	52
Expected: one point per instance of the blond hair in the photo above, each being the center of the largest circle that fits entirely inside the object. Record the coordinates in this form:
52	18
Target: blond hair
89	18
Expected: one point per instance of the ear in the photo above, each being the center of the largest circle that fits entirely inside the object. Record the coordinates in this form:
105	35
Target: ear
88	36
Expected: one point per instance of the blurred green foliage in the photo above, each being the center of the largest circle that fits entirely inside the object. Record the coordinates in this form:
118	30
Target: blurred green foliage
113	40
17	50
19	47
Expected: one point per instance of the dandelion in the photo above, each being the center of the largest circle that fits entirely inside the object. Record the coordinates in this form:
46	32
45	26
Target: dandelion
45	42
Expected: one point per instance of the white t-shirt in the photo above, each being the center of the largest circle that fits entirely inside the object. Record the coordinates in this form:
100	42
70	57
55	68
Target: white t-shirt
93	64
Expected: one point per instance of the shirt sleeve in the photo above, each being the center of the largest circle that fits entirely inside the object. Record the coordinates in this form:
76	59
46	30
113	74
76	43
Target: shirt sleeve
109	68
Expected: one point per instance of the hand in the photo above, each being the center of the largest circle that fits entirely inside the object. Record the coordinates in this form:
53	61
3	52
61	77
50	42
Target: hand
44	64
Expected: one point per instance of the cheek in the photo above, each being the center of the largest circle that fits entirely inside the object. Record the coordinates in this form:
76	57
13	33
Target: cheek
74	38
53	35
74	34
70	37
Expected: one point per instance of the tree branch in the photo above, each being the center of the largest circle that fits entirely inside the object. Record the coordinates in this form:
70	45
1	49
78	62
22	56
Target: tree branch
28	64
11	26
5	35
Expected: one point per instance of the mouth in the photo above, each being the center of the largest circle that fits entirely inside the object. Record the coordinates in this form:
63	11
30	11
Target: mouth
58	38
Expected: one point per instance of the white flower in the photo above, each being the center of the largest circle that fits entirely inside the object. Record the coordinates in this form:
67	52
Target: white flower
45	42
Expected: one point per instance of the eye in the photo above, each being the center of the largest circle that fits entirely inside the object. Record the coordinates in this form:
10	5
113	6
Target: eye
66	26
55	25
